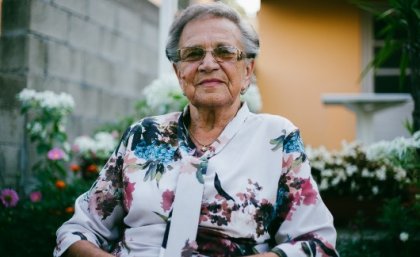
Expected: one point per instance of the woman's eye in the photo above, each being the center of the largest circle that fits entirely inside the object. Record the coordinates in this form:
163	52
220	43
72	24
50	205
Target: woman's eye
193	54
224	52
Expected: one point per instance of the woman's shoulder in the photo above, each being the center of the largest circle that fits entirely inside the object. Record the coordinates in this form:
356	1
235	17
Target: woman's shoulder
273	121
161	120
152	123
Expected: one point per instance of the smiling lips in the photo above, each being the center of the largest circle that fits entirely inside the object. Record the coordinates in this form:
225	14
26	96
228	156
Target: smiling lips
209	82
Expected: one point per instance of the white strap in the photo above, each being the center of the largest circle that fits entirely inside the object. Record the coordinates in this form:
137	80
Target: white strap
186	208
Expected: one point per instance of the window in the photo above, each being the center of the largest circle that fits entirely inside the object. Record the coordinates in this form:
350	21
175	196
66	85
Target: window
387	77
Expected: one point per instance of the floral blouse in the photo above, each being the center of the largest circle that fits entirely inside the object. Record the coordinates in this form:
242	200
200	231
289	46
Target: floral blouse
258	192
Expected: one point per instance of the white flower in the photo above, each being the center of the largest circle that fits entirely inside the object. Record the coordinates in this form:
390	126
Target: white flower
366	173
164	95
400	174
338	161
47	99
375	190
35	128
404	236
327	173
51	100
83	144
341	174
26	95
381	173
102	144
335	181
350	170
324	185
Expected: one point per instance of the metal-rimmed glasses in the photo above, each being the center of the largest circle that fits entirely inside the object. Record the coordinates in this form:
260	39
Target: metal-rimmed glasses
220	54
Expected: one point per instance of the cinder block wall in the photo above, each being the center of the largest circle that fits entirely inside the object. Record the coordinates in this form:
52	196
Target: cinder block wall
102	52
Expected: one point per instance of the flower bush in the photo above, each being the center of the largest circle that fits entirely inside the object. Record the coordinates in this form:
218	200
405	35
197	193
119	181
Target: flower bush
376	171
372	192
91	153
32	214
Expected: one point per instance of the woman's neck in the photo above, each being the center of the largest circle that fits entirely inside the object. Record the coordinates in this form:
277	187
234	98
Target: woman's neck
206	124
209	119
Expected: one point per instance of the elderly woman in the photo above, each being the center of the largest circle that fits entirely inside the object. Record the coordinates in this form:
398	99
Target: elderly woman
214	180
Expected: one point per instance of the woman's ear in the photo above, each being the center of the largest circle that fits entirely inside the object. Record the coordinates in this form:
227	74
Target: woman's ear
176	70
249	70
178	75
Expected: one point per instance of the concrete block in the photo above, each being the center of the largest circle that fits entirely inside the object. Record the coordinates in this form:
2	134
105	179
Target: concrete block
15	15
11	85
129	24
142	81
75	6
149	12
37	55
150	35
64	62
112	107
114	47
125	80
149	61
42	83
12	127
49	20
86	100
98	72
135	55
9	165
90	125
13	53
103	12
84	34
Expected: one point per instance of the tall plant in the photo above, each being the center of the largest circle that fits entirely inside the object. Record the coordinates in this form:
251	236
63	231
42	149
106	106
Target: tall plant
401	33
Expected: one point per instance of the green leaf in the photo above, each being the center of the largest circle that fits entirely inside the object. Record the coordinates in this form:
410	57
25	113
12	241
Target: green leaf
43	148
416	12
163	217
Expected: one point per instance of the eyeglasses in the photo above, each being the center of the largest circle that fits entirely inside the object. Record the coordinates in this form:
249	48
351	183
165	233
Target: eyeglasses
220	54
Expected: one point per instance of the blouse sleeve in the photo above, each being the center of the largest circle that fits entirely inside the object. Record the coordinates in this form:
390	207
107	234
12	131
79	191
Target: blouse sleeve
307	228
99	212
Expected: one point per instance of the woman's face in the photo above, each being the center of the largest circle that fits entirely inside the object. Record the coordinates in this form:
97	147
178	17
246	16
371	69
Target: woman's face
208	83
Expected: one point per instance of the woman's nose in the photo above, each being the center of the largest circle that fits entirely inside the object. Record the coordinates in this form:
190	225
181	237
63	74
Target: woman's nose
208	62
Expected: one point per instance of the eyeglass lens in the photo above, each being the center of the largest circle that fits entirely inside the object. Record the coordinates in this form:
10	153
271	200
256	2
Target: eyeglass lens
220	54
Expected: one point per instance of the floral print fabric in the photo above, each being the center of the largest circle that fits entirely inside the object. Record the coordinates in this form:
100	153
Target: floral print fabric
258	192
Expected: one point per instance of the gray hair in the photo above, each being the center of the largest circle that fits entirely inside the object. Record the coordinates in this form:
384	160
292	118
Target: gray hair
250	38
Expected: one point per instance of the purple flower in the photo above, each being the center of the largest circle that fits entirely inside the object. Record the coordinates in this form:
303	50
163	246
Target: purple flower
56	154
35	196
9	197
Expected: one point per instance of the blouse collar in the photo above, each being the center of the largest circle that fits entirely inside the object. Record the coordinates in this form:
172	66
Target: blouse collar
225	137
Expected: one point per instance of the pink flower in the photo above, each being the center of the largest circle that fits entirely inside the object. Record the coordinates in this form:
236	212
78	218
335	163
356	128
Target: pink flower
9	197
128	191
309	194
35	196
56	154
167	199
